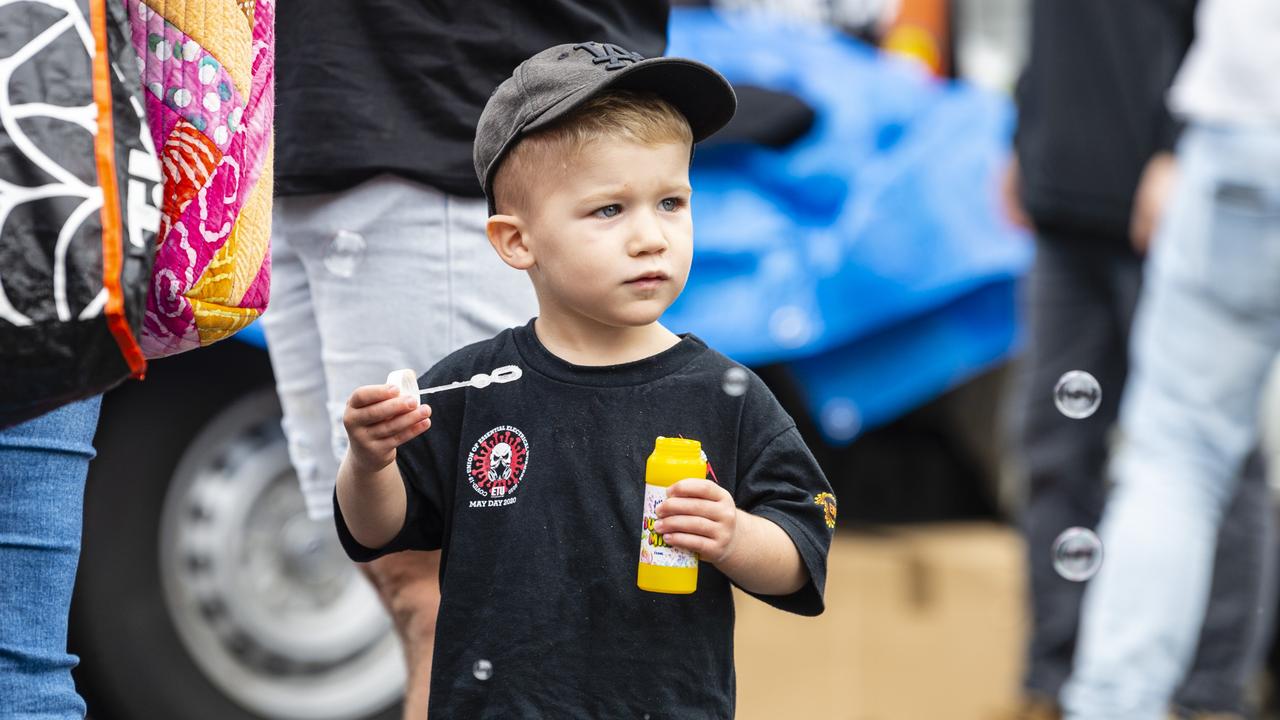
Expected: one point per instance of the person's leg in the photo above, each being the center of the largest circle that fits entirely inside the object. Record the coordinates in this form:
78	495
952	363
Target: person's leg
43	464
410	279
1215	683
293	342
1207	332
1237	626
1077	320
407	585
1232	638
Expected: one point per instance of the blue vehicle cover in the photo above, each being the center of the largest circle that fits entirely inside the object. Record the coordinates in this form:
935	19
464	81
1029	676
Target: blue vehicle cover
871	255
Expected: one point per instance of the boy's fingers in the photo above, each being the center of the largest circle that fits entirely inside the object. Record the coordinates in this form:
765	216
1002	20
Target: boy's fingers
697	488
691	506
400	423
411	432
688	524
685	541
367	395
379	412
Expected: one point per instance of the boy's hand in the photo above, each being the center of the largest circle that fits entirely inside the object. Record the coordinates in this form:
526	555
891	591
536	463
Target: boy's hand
378	420
699	515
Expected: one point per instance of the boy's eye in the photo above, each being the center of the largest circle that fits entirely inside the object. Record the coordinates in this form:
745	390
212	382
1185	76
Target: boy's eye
609	211
670	204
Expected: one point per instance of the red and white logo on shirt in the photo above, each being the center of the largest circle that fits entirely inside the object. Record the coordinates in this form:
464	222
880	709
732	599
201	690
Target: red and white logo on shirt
497	463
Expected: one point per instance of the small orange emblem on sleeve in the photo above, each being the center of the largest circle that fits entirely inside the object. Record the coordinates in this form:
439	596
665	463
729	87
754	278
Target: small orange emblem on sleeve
828	503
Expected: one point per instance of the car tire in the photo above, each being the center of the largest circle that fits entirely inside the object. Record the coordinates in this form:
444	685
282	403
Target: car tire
179	472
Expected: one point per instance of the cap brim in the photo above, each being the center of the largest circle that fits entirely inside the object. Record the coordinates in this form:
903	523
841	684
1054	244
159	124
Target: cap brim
700	93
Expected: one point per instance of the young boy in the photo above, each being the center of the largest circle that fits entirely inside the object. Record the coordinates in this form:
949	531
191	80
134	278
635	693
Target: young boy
534	489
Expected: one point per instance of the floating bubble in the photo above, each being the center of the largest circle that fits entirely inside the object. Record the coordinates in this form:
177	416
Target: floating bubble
483	669
1077	394
790	326
735	381
841	420
344	253
1077	554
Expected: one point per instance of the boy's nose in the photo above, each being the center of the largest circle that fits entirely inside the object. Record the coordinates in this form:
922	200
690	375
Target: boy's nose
647	237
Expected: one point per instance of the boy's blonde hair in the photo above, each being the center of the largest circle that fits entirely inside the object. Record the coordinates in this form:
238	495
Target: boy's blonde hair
641	117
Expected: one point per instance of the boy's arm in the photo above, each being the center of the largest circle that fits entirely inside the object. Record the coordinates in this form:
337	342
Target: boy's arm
752	551
763	558
370	492
373	505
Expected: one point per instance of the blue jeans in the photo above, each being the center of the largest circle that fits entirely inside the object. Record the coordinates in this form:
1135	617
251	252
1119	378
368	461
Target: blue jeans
43	463
1206	336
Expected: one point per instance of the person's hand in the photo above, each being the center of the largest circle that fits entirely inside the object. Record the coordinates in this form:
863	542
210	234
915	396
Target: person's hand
1011	196
1148	202
378	420
699	515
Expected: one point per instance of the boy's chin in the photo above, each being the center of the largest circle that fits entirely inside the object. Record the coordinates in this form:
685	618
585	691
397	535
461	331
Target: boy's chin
634	317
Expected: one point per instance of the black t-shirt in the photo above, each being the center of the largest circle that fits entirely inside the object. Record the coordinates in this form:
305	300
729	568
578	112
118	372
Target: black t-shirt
540	580
397	86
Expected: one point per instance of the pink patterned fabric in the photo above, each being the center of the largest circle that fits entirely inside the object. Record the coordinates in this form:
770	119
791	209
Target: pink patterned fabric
184	77
212	266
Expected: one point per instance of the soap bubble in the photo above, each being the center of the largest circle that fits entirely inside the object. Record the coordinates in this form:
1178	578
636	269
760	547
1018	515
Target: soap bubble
480	380
1077	554
1077	394
735	381
483	669
344	253
790	326
841	420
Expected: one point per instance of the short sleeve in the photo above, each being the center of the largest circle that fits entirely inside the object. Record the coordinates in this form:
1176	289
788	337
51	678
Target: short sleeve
785	485
415	534
426	465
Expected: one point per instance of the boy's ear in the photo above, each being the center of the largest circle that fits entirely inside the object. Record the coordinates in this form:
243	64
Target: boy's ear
507	236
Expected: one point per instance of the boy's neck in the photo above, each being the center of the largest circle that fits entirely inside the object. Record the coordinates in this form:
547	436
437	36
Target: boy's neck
595	344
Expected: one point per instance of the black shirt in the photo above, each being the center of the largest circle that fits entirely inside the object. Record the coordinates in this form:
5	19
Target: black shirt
1092	111
540	580
370	86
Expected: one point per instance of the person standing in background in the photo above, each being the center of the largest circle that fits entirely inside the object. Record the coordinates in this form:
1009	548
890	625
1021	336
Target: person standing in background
377	198
1205	339
1090	177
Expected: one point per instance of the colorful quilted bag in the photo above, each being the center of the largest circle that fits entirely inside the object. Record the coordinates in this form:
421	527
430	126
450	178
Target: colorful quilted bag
207	72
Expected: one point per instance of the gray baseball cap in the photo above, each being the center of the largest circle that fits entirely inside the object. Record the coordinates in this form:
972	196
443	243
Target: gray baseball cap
558	80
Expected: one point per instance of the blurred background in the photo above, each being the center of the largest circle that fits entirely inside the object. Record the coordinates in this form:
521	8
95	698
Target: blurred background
853	247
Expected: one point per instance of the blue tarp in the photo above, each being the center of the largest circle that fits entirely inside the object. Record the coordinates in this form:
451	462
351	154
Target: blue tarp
871	255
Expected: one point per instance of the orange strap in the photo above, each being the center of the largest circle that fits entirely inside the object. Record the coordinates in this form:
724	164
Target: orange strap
112	232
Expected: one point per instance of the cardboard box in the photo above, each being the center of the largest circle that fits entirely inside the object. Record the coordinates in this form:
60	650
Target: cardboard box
922	623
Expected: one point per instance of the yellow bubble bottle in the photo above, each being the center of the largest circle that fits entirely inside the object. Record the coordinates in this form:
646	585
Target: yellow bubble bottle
663	568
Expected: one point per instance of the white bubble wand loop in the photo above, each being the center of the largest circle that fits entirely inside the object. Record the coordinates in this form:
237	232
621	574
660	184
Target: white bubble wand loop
407	381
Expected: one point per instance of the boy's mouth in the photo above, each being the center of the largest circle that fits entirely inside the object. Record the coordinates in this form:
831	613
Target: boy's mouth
649	279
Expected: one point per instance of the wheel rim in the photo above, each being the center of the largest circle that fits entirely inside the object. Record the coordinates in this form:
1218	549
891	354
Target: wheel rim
264	599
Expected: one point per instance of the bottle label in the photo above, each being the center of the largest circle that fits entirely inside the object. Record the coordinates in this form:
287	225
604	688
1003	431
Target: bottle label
653	549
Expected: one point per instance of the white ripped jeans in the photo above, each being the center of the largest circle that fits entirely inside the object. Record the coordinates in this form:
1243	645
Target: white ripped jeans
389	274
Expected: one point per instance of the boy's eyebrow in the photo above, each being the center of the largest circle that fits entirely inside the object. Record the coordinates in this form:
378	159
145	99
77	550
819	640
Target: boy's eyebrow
611	192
